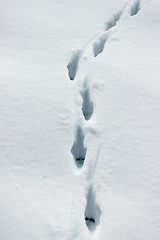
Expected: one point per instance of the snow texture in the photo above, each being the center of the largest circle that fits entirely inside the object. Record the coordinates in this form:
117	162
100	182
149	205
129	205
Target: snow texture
79	120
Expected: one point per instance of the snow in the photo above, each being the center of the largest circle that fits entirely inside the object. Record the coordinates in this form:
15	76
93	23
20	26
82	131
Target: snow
79	120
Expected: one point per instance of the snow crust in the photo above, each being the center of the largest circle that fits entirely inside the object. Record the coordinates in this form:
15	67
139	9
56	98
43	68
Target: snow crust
79	120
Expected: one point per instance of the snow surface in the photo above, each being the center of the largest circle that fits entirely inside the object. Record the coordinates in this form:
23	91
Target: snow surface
80	120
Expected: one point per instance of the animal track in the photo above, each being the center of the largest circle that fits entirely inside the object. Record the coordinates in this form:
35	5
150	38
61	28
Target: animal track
113	21
135	8
73	65
92	212
87	106
78	150
98	46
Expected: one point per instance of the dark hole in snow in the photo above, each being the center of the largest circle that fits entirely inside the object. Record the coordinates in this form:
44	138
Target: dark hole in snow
79	162
89	219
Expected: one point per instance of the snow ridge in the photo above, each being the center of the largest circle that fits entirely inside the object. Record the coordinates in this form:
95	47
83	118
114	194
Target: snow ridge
92	212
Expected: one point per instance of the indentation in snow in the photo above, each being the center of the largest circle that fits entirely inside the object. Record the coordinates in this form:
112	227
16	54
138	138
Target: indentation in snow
78	150
98	46
73	65
135	8
87	106
92	212
113	21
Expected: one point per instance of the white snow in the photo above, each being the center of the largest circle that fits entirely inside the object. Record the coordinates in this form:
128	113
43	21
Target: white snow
80	136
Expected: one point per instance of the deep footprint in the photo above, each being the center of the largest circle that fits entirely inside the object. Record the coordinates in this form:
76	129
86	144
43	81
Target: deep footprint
78	150
73	65
113	21
92	212
98	46
87	106
135	8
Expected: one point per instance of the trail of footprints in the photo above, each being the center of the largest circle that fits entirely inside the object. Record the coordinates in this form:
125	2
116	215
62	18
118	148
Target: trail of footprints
92	212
